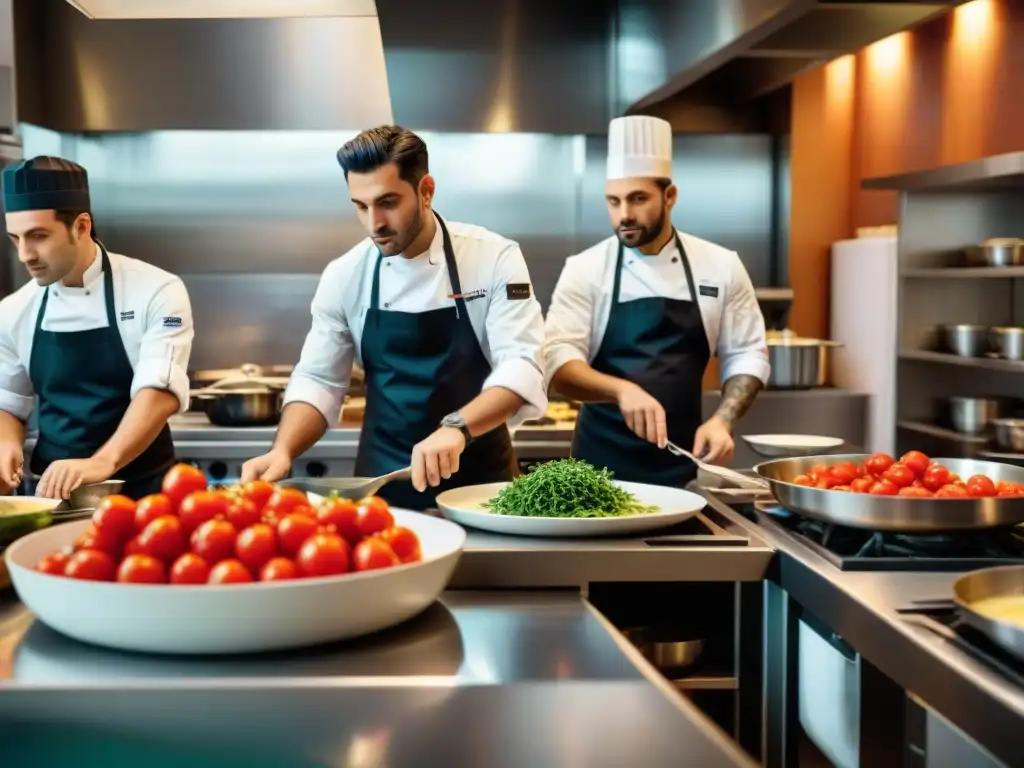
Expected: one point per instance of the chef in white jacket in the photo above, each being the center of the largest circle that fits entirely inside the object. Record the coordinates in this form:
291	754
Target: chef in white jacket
102	341
635	319
442	318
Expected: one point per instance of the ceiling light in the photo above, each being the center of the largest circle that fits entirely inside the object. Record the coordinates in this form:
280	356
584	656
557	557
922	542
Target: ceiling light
222	9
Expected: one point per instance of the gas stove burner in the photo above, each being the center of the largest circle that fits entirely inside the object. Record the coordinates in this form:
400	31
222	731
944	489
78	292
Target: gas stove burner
856	549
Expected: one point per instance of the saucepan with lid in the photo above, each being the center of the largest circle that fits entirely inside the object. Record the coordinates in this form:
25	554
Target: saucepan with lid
244	400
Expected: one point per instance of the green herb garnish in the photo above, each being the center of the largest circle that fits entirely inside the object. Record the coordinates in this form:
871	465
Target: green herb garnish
565	488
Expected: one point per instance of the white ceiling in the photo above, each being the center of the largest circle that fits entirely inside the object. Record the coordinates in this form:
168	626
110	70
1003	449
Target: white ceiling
222	9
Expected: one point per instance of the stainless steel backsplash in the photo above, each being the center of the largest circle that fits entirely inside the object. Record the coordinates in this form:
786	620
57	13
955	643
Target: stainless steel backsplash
250	218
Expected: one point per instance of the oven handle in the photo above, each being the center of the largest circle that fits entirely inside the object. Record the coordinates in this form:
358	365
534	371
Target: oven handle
822	630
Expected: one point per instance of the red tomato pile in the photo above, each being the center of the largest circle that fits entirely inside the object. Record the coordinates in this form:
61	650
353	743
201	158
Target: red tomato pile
914	476
189	534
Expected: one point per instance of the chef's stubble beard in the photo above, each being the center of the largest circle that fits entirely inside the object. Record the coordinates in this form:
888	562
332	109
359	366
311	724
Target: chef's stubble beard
649	234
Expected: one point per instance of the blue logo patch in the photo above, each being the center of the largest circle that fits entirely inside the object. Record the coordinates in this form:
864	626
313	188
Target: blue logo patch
172	322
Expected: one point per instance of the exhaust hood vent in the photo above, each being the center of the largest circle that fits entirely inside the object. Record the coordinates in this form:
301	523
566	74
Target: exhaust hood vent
222	9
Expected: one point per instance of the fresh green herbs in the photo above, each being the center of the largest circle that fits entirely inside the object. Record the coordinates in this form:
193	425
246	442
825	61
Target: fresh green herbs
565	488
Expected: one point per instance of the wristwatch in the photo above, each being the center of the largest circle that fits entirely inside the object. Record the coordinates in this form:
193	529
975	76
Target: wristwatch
458	421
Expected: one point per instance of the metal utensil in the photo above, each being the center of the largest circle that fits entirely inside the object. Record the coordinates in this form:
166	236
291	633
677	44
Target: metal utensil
1010	434
799	363
1007	342
1003	581
353	488
996	252
725	473
660	647
964	340
972	415
894	513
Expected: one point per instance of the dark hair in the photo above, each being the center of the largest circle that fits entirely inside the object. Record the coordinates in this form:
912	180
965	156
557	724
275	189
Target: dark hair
663	184
376	147
68	218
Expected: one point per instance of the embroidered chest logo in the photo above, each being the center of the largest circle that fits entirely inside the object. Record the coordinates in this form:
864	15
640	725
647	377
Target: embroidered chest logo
172	322
708	290
129	315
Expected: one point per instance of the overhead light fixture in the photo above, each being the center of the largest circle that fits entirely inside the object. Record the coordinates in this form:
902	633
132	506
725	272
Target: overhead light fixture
222	9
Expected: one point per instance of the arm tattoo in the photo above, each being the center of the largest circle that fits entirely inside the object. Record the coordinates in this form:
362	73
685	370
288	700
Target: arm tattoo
738	394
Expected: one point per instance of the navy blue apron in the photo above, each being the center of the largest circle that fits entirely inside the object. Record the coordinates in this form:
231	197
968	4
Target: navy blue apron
83	381
419	367
659	344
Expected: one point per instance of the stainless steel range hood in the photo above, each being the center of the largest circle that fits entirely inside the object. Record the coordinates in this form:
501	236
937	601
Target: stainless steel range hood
727	52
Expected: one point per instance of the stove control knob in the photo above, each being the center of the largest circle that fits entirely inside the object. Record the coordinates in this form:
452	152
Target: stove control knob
316	469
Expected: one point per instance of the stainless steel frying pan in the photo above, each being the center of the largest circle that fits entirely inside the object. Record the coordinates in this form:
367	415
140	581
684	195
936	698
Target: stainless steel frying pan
894	513
1004	581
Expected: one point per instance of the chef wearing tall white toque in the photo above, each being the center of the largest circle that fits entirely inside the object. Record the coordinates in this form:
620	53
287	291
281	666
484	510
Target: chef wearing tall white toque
100	339
442	318
634	321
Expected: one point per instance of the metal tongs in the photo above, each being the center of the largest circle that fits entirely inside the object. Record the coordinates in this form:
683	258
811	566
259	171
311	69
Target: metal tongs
734	477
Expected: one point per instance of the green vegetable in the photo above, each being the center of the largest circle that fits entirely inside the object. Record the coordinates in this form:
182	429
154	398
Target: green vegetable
565	488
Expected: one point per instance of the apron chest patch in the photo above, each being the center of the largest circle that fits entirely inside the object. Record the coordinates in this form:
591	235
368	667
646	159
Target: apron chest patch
708	290
517	291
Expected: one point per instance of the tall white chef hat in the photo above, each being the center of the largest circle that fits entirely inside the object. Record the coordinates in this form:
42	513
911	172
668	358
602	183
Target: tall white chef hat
639	145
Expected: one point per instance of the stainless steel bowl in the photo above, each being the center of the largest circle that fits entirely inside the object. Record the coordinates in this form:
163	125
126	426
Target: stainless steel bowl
1007	342
1002	581
798	363
964	340
253	407
659	647
997	252
972	415
1009	434
894	513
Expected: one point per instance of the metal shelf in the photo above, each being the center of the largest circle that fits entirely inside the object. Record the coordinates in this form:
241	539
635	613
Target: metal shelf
956	273
942	433
996	173
944	358
706	683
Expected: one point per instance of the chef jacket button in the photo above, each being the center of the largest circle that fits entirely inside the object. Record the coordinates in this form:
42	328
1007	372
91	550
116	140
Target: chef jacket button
675	259
386	305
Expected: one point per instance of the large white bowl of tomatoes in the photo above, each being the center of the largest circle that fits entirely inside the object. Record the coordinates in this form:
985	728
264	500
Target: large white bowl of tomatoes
252	568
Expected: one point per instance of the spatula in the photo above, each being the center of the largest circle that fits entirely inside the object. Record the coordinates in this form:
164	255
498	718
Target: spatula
353	488
725	473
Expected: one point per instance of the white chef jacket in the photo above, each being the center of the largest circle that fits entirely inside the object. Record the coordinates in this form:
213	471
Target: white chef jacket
510	330
155	326
582	300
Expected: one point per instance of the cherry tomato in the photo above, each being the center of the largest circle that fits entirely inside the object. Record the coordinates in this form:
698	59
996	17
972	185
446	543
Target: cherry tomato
53	564
818	471
150	508
91	565
979	486
822	485
373	516
842	474
341	514
255	546
951	492
1005	486
258	492
115	516
214	541
373	553
915	492
229	572
279	569
181	480
242	513
164	539
405	543
190	568
283	502
1010	493
845	488
324	554
141	569
884	488
200	506
132	547
862	485
916	461
93	538
900	476
935	477
878	463
803	480
293	530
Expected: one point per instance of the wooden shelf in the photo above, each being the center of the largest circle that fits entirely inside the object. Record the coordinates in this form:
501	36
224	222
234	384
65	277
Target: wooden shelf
706	683
942	433
999	172
944	358
956	273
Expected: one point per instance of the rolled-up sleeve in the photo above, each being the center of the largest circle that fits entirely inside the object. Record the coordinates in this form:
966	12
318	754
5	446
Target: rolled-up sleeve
515	333
323	373
570	319
16	396
742	348
166	344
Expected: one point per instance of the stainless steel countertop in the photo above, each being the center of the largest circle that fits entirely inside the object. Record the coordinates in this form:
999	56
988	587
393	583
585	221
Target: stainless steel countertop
496	679
861	608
